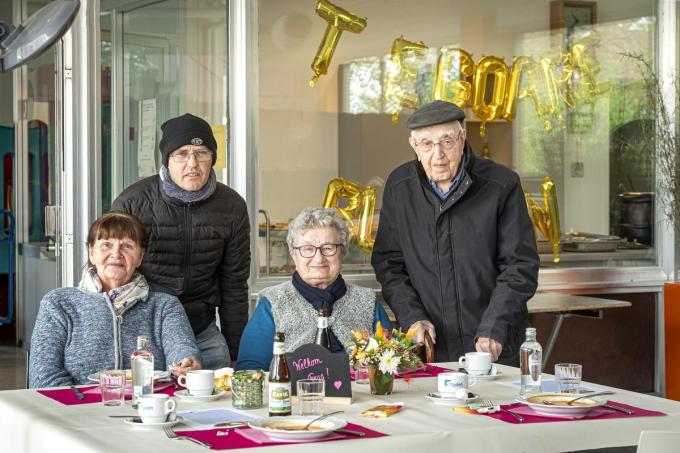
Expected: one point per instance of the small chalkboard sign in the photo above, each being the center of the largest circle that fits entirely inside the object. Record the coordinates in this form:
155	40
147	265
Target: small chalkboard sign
311	361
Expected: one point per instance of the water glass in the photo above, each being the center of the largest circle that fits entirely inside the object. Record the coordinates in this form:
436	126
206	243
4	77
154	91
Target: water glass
112	386
568	377
310	393
360	374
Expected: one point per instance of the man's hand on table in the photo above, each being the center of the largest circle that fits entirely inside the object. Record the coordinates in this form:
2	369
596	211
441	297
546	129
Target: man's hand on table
187	364
421	327
485	344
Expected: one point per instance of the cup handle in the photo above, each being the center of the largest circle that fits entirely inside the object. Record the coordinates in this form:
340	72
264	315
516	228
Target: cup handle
182	380
472	380
461	361
172	407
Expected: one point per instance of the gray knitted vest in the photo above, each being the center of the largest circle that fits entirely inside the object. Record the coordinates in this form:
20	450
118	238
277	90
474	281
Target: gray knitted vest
297	318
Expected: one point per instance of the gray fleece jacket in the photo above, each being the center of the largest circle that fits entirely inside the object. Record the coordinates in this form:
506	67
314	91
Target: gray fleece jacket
77	334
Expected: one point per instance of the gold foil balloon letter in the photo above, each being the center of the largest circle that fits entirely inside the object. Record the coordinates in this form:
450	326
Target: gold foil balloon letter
546	219
491	110
455	66
359	209
401	75
338	20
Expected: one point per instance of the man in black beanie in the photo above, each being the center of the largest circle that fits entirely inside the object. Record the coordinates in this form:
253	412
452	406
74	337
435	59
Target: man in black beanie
199	247
455	250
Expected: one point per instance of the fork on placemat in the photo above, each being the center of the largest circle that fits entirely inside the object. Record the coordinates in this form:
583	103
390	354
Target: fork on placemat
497	407
172	435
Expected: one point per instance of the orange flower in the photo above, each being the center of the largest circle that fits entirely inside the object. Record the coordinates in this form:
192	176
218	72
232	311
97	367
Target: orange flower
411	332
379	332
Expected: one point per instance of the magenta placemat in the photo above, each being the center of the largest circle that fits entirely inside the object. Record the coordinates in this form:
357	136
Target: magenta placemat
599	413
428	371
157	388
68	398
236	440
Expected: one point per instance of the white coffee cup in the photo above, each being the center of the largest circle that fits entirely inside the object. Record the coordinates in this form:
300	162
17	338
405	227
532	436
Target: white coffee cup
449	383
155	408
476	363
198	382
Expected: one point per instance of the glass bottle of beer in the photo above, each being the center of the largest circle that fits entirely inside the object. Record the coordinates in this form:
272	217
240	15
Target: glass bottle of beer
322	338
279	380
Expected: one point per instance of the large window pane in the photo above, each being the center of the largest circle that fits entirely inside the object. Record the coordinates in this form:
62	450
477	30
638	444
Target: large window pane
171	57
580	121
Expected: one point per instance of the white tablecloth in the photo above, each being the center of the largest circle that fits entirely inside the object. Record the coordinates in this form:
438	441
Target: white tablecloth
30	422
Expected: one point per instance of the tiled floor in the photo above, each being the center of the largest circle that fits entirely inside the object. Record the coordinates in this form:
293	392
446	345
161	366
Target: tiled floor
12	368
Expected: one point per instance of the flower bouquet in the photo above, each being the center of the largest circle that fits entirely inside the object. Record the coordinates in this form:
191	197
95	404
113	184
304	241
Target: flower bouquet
383	353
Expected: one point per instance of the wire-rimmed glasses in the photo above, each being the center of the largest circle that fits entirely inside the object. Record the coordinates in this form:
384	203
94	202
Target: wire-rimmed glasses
446	143
308	251
182	157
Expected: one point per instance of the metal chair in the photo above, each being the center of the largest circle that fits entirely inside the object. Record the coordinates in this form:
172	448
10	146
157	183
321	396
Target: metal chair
659	442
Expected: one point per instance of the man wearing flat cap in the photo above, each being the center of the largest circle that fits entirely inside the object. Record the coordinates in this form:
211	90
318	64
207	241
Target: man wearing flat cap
455	251
199	237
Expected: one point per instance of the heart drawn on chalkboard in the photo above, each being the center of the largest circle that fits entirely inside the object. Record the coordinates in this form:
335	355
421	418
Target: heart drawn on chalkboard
337	384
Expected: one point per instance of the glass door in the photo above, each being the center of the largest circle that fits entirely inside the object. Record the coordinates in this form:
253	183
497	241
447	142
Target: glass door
160	59
36	181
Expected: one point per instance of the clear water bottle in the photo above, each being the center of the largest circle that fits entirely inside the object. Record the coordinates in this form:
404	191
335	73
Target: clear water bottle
530	363
141	362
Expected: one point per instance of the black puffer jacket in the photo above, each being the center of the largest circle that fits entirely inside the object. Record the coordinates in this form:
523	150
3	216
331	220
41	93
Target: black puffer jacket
469	264
199	252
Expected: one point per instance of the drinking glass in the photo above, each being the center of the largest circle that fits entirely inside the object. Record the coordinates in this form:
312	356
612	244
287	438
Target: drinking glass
360	374
310	393
112	385
568	377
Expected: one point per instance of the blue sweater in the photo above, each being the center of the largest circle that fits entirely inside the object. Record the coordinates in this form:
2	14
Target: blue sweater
77	334
256	350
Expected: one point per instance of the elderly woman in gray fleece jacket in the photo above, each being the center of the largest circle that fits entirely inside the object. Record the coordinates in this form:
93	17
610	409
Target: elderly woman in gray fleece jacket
80	331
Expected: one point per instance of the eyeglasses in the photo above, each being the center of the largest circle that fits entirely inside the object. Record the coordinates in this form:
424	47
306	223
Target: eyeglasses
308	251
183	156
446	143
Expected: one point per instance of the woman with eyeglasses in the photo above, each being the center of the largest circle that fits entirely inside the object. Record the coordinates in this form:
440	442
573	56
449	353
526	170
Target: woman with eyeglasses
317	241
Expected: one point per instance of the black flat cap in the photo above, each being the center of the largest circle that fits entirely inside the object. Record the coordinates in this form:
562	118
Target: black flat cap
437	112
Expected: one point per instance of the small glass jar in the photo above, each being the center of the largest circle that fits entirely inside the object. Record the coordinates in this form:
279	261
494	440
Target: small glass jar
247	388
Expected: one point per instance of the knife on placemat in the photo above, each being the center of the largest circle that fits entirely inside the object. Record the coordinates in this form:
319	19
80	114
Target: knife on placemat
78	393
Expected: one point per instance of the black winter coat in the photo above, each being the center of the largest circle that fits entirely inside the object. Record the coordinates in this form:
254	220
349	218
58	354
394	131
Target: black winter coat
199	252
467	264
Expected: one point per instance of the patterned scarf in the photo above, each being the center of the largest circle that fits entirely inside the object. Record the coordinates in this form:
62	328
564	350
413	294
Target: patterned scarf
122	297
173	190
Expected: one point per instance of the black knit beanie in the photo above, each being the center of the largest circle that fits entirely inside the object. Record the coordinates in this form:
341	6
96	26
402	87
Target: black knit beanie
186	130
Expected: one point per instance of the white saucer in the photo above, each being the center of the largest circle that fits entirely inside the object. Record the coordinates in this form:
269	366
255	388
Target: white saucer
438	398
184	396
493	374
139	424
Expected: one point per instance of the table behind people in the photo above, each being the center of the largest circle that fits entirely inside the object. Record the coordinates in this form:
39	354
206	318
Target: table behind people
94	327
201	247
317	242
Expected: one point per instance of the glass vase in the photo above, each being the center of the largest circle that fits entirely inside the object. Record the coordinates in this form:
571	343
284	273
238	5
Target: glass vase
381	383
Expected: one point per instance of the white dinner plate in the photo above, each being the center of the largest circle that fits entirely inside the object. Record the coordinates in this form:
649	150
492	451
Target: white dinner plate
184	396
493	374
269	426
580	409
94	377
438	398
140	424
